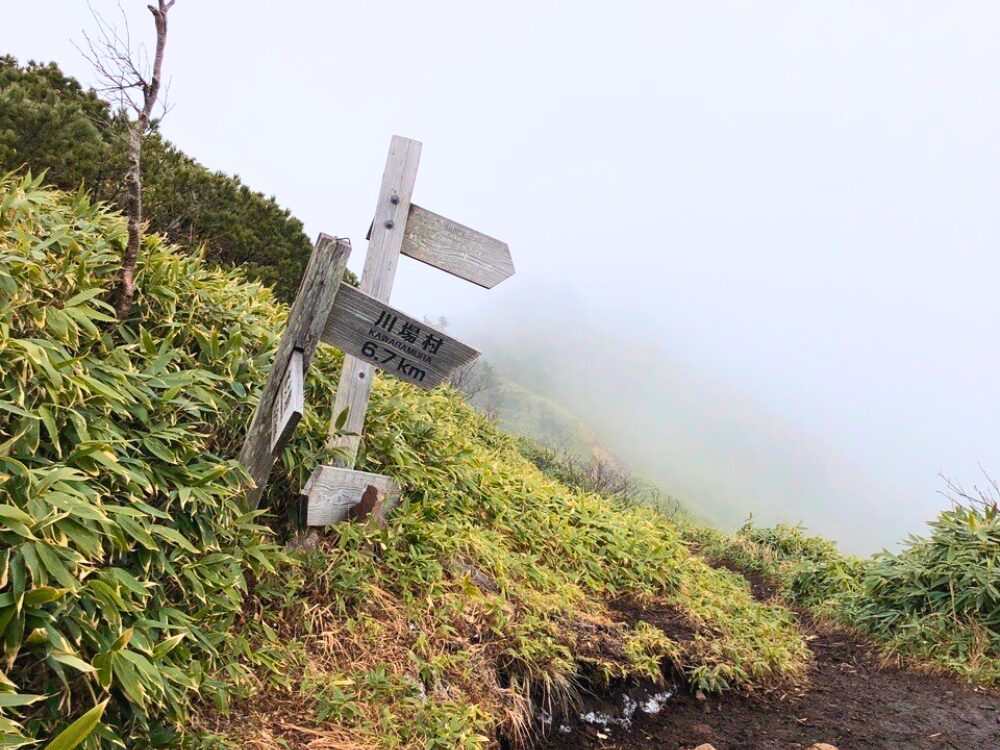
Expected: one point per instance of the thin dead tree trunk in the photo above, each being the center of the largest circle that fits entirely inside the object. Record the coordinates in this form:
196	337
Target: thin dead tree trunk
133	178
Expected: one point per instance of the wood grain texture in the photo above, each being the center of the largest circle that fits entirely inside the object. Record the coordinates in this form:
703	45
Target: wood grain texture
288	405
391	212
384	244
407	348
333	491
306	321
451	247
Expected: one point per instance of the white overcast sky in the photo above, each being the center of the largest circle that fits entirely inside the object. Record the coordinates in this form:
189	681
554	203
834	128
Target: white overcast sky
797	201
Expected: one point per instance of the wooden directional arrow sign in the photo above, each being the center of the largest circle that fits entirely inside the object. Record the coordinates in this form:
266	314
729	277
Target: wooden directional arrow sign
371	333
411	350
454	248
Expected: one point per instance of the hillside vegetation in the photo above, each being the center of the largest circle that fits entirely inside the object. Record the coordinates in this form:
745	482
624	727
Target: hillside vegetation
521	411
563	446
141	606
48	121
935	604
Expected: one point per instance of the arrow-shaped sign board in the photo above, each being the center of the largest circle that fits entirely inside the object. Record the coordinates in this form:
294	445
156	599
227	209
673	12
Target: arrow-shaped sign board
392	341
454	248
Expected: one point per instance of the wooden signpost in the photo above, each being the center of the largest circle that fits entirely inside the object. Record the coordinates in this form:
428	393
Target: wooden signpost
337	491
463	252
372	331
384	243
372	335
306	321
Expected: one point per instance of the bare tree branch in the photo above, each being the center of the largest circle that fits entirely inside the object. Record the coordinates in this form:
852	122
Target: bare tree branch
470	380
978	497
128	78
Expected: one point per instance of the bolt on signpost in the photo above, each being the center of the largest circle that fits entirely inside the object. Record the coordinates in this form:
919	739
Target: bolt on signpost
371	334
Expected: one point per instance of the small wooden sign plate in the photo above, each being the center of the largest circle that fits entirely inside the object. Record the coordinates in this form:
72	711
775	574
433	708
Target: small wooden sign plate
335	494
392	341
288	404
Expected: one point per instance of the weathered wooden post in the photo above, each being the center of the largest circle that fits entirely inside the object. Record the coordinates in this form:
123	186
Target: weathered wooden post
385	241
281	401
373	334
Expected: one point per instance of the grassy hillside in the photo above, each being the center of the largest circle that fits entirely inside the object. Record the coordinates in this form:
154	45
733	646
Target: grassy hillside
563	445
141	606
935	604
521	411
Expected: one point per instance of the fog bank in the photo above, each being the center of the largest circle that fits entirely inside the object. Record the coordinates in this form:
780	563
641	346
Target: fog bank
710	441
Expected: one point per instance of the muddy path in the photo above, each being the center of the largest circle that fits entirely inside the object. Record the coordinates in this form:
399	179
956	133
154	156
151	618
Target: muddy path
849	701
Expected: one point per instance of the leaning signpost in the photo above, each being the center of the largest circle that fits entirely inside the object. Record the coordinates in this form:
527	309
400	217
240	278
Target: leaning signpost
280	405
371	334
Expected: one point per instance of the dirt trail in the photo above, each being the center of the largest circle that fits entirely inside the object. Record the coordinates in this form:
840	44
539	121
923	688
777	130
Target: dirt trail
850	702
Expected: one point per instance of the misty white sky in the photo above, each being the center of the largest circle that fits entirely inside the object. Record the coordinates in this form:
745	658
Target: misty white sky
795	202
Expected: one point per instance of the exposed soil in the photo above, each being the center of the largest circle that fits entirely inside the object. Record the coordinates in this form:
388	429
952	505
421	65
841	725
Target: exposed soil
662	615
850	701
762	588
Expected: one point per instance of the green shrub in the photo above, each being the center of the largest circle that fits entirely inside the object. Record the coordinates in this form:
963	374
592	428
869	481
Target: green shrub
124	552
939	597
48	121
955	571
936	602
810	569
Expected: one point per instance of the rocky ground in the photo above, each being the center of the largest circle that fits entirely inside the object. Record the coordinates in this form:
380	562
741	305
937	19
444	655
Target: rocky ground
850	701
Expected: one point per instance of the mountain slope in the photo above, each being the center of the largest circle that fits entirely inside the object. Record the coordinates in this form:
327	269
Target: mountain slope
521	411
133	584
